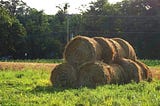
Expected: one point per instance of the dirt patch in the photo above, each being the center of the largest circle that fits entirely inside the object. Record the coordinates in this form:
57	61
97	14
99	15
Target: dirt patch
23	66
155	72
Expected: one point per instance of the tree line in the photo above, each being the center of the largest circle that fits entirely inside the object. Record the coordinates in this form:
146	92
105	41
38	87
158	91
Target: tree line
28	33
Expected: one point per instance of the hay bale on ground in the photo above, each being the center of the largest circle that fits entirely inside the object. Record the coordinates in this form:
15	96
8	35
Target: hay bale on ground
93	74
129	50
64	75
82	50
117	74
108	51
120	52
131	68
145	71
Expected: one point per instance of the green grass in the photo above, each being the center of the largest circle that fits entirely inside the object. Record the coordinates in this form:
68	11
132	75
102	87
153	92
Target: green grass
32	87
146	61
151	62
36	60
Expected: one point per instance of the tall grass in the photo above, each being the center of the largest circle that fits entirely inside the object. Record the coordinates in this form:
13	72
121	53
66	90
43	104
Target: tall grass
32	87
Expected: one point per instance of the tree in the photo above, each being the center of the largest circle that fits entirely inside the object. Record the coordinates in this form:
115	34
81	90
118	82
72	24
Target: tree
37	27
99	18
15	7
12	35
140	25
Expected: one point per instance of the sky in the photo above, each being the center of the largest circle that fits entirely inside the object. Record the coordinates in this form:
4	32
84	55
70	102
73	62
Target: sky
49	6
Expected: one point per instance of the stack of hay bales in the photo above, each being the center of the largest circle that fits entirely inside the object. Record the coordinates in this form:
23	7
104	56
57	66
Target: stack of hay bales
98	61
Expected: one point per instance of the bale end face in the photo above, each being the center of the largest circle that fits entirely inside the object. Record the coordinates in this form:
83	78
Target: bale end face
81	50
132	70
118	76
145	71
93	74
64	75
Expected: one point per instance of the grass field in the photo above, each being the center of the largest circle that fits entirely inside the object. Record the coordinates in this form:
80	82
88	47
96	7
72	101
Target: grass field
27	84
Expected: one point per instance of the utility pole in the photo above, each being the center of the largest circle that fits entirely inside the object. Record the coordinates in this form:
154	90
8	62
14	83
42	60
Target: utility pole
67	17
67	28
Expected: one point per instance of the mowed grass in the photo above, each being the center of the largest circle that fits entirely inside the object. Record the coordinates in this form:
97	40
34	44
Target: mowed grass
31	86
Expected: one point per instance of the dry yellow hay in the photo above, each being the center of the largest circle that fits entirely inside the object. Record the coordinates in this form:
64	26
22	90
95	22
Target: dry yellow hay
117	74
120	52
17	66
82	50
108	50
63	75
131	68
128	49
93	74
145	71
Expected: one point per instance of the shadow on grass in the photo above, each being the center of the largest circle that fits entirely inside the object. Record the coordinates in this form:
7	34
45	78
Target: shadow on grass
50	89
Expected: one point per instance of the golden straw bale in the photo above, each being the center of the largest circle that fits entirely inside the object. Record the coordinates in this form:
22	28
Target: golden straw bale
131	68
129	50
63	75
108	51
145	71
93	74
82	50
117	74
120	52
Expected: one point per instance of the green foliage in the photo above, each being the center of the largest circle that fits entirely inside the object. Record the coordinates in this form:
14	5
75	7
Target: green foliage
15	7
32	87
12	34
136	21
39	41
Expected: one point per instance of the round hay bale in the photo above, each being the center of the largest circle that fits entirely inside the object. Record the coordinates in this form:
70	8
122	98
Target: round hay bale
82	50
120	53
108	51
145	71
117	74
128	49
64	75
131	68
94	74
